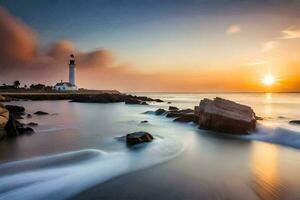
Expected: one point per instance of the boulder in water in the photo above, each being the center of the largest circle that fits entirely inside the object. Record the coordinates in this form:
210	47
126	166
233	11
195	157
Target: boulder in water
138	137
32	124
25	130
173	108
132	101
41	113
225	116
158	100
173	114
160	111
296	122
187	118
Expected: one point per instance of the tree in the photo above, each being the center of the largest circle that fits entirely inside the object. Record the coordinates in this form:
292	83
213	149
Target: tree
37	86
16	84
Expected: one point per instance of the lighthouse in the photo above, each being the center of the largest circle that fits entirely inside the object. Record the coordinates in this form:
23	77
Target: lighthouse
72	70
71	85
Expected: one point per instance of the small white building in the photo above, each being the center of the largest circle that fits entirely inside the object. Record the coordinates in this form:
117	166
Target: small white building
71	85
65	86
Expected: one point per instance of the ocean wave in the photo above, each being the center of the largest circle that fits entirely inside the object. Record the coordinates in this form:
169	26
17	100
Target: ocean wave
64	175
276	135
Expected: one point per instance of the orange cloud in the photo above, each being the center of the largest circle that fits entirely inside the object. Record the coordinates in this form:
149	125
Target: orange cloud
17	40
233	29
291	33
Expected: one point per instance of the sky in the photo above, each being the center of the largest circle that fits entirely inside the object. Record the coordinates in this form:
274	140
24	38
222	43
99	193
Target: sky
151	45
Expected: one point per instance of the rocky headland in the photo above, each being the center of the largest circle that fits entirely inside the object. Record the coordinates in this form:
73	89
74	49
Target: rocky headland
113	97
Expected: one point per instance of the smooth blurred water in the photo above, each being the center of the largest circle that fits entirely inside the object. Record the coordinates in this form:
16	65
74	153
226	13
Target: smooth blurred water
75	148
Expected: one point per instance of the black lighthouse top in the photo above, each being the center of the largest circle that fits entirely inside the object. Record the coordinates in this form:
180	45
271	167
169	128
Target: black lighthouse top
72	59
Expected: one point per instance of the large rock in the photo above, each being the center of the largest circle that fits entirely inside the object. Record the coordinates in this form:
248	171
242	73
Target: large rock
9	125
138	137
225	116
4	117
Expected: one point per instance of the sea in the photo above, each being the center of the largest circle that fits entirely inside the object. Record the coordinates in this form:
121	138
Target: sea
77	152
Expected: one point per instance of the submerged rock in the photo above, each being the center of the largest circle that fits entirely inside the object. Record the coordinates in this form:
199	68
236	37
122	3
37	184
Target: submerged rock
297	122
132	101
145	121
178	113
173	108
187	118
160	111
225	116
259	118
138	137
25	130
41	113
158	100
173	114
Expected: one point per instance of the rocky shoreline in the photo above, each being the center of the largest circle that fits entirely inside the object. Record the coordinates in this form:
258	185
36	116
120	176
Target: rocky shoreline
80	97
10	126
10	114
218	115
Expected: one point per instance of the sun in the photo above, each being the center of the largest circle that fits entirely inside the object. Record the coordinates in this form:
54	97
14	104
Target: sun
268	80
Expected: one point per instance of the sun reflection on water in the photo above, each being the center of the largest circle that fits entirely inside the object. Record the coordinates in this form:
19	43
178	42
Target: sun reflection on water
268	105
264	165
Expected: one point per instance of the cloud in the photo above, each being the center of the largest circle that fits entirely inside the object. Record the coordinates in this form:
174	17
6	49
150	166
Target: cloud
17	40
270	45
22	59
291	32
233	29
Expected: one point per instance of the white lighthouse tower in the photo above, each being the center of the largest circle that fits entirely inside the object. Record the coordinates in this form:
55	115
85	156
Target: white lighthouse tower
71	85
72	70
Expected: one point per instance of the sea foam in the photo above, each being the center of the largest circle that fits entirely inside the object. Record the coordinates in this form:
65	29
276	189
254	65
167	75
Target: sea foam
276	135
64	175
